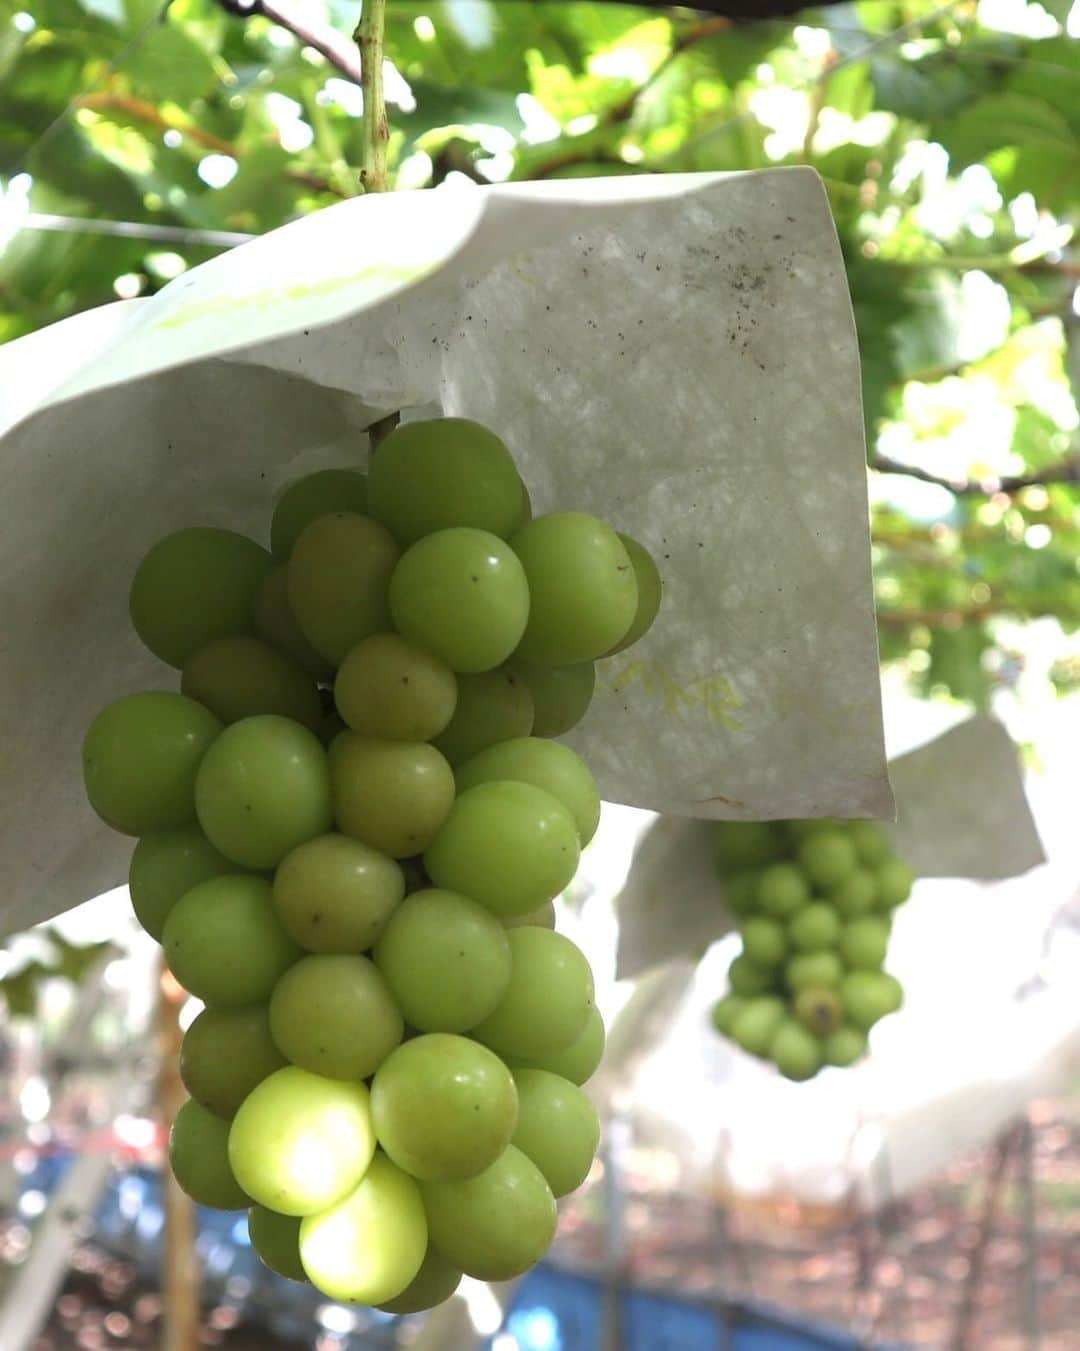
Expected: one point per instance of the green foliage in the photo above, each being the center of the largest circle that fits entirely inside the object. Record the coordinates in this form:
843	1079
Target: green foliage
927	126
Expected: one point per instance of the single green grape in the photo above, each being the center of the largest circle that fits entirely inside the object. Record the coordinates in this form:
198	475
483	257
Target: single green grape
300	1142
194	586
855	895
764	941
741	890
339	580
510	846
262	789
871	843
496	1225
545	764
492	706
543	917
649	589
582	588
844	1046
814	928
241	677
446	959
444	1107
818	1009
725	1011
795	1051
781	890
462	595
225	1053
435	1282
755	1023
557	1128
747	978
864	943
306	499
391	795
547	1002
334	894
869	996
392	689
368	1247
334	1014
276	1240
828	858
224	943
276	624
428	476
893	881
140	759
579	1061
199	1158
746	844
561	694
164	866
812	969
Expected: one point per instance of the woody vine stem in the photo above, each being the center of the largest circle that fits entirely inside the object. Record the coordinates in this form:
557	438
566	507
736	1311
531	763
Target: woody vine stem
369	37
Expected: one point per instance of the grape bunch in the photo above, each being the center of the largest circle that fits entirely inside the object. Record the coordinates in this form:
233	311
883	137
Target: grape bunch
353	821
815	901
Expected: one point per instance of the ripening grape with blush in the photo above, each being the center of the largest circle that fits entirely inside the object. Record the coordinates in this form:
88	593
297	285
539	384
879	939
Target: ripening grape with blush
352	823
815	901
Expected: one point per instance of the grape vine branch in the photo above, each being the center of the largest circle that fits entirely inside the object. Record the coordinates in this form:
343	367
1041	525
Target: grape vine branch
369	37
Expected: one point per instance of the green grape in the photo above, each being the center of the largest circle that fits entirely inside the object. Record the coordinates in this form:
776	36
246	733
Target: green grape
828	858
746	844
755	1024
741	890
818	1009
395	690
391	795
300	1142
276	1240
871	843
334	894
446	959
444	1107
869	996
306	499
844	1046
339	580
276	624
547	1001
725	1011
561	694
581	1059
893	881
263	788
223	941
814	928
510	846
764	941
199	1158
492	706
543	917
333	1014
781	890
368	1247
795	1051
747	978
164	866
140	759
194	586
812	969
241	677
444	472
461	594
864	943
225	1053
649	587
557	1127
582	588
545	764
435	1282
496	1225
855	895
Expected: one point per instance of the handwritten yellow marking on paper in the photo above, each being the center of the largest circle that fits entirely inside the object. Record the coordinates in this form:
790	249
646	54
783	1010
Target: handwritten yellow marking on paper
713	693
